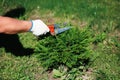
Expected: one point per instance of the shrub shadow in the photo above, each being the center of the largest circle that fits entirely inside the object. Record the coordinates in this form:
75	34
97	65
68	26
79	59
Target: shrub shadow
12	44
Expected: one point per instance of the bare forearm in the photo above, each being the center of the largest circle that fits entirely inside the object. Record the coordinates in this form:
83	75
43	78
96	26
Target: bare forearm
13	26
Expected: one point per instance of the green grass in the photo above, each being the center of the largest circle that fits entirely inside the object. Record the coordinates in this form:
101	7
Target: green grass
102	16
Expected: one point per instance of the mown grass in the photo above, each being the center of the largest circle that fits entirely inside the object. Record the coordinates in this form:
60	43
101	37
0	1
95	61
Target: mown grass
100	15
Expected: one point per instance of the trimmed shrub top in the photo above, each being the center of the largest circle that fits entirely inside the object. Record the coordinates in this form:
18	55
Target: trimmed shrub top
70	49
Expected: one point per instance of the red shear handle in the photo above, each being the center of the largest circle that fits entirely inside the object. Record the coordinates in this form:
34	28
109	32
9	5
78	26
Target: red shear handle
51	27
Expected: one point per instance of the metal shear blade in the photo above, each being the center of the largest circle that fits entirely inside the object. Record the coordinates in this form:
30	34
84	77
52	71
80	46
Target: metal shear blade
61	30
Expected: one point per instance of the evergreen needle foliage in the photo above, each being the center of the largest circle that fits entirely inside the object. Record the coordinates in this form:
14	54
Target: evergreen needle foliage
70	48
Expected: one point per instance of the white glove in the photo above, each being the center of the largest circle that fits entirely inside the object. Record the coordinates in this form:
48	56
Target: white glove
39	28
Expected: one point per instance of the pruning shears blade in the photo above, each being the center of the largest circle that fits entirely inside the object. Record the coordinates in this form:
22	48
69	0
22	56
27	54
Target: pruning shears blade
56	29
61	30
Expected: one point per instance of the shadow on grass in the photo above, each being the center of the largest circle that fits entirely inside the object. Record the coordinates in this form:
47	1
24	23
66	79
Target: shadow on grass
12	44
15	13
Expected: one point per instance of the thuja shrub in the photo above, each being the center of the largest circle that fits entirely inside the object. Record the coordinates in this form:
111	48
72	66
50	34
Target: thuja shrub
71	49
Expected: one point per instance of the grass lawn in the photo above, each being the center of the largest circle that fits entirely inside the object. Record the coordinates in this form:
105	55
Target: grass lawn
17	58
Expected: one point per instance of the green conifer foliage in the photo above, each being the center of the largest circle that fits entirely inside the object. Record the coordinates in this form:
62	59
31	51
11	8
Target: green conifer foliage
70	49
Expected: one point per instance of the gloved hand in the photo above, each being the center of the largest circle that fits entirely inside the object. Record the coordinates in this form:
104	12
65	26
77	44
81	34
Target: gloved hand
39	28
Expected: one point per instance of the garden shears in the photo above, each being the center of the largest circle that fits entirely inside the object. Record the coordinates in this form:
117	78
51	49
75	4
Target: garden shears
56	29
